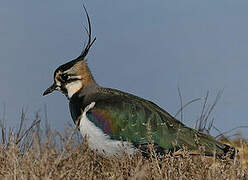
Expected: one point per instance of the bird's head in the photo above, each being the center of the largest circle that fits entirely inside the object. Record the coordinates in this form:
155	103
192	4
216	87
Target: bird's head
70	77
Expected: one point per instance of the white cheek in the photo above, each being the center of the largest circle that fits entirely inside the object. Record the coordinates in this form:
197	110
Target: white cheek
73	87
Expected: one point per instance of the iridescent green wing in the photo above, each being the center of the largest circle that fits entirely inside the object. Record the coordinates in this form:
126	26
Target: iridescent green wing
135	120
141	121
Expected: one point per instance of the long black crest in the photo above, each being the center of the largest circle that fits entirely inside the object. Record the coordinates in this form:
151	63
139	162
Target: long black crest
90	42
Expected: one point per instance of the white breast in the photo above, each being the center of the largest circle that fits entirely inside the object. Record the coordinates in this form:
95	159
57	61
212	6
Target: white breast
101	142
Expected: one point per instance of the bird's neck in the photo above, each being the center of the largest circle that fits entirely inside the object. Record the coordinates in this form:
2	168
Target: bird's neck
90	88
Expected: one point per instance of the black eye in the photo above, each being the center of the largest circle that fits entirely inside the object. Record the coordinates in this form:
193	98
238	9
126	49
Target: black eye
64	77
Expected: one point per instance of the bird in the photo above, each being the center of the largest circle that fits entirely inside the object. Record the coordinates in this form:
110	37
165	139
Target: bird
116	122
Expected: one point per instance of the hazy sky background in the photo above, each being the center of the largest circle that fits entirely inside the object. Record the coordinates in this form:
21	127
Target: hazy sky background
145	47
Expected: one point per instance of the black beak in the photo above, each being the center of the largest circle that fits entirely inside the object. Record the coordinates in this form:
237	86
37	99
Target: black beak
50	89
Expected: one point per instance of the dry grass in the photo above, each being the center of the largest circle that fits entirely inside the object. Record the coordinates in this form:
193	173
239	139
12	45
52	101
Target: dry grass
48	162
62	157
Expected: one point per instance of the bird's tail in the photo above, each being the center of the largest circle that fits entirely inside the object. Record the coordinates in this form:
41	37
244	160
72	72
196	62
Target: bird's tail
205	143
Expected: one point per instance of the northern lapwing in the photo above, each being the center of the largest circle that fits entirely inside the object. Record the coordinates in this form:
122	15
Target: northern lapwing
117	122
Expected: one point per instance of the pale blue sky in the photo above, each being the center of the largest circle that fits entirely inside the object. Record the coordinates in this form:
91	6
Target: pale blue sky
148	48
